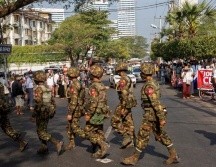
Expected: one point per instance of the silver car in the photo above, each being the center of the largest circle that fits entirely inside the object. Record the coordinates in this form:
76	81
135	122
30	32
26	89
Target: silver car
136	72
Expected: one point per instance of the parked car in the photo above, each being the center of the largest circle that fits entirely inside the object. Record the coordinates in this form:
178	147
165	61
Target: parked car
109	70
136	72
114	79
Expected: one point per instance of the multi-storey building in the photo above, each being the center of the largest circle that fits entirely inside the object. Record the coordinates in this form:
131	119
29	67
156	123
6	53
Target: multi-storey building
126	18
58	15
97	5
179	3
27	27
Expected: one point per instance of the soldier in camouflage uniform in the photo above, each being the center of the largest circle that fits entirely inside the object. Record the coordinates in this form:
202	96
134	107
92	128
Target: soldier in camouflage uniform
44	110
122	120
76	95
5	108
154	118
96	111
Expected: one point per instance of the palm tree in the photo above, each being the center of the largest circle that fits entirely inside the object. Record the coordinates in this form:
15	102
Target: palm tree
190	18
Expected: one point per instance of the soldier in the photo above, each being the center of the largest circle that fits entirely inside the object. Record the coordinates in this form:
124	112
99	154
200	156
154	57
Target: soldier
154	118
122	120
76	95
5	108
44	110
96	111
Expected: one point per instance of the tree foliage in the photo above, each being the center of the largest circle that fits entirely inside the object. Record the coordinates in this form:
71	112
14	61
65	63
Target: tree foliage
37	54
185	22
82	32
198	47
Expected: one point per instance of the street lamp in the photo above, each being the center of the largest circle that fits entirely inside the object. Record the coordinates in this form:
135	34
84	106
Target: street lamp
155	27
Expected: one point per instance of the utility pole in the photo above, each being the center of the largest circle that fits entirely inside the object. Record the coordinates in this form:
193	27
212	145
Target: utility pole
160	26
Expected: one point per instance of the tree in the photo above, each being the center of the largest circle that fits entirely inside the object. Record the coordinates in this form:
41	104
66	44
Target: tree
82	32
9	6
186	21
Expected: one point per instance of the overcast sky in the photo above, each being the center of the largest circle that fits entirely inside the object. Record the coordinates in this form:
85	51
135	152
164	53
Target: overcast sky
145	16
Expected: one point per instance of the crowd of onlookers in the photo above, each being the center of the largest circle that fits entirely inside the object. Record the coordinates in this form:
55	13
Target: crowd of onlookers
19	88
182	75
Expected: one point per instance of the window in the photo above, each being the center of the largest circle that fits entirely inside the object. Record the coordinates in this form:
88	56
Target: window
33	24
41	25
16	18
16	41
16	30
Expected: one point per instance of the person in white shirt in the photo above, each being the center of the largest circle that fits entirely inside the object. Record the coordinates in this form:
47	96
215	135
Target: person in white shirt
29	90
56	87
50	82
187	77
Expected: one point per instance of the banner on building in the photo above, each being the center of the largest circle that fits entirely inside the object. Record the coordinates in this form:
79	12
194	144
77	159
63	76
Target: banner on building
204	79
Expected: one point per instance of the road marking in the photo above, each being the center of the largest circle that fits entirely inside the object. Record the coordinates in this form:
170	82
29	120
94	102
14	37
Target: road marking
105	160
108	131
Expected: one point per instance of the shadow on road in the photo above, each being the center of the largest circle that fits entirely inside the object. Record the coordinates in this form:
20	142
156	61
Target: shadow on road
209	135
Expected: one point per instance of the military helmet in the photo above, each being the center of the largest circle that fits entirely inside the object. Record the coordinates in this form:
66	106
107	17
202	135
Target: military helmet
147	68
40	76
73	72
96	71
121	67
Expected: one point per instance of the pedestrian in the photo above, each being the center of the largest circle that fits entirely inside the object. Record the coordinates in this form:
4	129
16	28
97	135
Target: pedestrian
154	118
5	109
187	78
19	94
96	111
61	90
76	95
55	78
29	90
44	110
122	120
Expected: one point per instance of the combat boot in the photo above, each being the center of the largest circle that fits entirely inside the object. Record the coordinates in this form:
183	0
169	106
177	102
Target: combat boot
71	145
43	149
102	151
132	160
58	145
173	157
127	142
22	145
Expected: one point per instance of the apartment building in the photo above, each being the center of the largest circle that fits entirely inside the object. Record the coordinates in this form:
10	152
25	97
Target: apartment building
27	27
126	18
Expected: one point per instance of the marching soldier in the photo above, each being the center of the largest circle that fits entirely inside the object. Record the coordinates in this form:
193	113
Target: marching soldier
5	108
122	120
44	110
96	111
154	118
76	95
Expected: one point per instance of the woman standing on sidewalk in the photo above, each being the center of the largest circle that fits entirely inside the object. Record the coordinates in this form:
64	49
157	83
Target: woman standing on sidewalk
187	77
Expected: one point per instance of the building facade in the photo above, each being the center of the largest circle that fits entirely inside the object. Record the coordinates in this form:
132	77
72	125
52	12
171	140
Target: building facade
179	3
27	27
97	5
57	15
126	18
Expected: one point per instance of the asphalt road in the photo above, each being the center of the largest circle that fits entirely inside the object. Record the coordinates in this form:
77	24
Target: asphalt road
191	125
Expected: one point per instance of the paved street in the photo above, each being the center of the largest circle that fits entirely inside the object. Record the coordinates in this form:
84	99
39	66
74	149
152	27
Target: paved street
191	125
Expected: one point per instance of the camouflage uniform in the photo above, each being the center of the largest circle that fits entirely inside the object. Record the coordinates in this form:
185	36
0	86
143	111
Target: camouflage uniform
76	95
44	110
5	108
96	111
154	118
122	120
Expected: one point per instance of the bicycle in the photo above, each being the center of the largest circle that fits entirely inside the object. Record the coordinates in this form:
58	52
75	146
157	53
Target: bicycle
206	92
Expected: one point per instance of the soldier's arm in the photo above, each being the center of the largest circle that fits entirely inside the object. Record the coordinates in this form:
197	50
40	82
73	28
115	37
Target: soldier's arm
38	97
93	101
73	99
150	92
121	86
